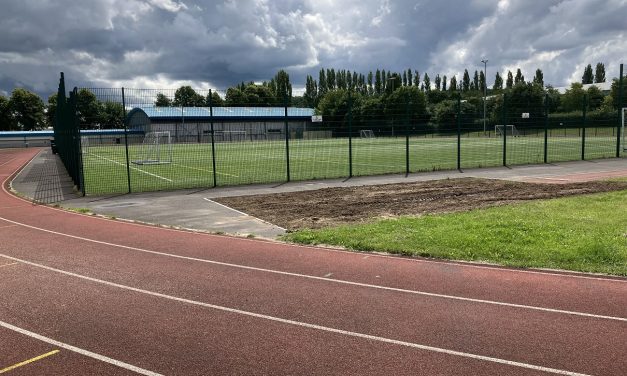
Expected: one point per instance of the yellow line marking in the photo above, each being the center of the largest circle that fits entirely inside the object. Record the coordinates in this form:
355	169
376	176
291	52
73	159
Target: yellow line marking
13	263
31	360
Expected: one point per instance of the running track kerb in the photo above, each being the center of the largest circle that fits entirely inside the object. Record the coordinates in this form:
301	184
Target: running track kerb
158	301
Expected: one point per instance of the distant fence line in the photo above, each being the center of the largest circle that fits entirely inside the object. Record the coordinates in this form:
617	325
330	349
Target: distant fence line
161	148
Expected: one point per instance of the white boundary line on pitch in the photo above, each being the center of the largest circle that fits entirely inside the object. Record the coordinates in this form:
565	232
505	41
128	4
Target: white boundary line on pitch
242	213
203	170
458	263
302	324
78	350
339	281
134	168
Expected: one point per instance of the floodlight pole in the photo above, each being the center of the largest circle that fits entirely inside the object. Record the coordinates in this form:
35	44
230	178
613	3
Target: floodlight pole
485	89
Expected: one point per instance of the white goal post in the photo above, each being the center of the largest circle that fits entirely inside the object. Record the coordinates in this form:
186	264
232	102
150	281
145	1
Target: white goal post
84	144
507	129
623	118
156	149
366	133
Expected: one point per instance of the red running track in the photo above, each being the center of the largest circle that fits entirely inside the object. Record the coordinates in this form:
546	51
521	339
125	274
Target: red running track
120	298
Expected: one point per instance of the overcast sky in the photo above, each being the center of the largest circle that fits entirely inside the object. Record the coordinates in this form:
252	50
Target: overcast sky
216	44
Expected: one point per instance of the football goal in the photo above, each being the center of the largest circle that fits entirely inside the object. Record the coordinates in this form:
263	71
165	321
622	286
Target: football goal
155	149
84	144
506	130
366	133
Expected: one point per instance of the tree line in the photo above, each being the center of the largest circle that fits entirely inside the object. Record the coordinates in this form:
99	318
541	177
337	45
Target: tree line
338	94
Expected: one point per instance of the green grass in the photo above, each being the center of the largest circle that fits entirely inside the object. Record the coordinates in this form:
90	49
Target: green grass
585	233
249	162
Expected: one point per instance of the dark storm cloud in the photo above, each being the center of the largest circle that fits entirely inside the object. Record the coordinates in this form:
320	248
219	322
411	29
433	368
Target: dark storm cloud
159	43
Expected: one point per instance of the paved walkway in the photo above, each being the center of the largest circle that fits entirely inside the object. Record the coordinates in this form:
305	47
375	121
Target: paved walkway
194	209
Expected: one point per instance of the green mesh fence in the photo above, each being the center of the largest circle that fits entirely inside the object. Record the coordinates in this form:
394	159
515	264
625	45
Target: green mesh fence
133	140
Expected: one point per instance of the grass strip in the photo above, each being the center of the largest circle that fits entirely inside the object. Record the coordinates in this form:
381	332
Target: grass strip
584	233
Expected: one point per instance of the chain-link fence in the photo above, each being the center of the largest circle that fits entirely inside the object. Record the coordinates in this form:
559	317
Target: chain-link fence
144	140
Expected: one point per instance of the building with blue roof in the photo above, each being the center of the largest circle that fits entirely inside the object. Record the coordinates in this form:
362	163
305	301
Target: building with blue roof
193	124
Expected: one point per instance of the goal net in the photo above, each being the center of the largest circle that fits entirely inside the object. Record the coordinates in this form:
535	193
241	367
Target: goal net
84	144
156	149
505	130
366	133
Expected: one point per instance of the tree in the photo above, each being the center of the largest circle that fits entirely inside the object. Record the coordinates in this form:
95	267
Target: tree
322	83
163	101
234	97
438	82
7	122
88	109
445	113
466	81
572	99
404	78
27	109
427	82
416	78
409	77
51	109
595	98
538	79
555	100
378	86
370	83
498	82
444	83
588	76
482	84
453	85
311	92
599	74
185	96
334	108
283	91
510	80
475	81
519	79
406	101
111	115
216	100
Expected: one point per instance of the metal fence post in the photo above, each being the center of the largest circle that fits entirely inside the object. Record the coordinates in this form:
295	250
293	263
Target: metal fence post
407	135
128	165
350	136
504	119
546	127
213	143
620	108
583	125
287	141
459	132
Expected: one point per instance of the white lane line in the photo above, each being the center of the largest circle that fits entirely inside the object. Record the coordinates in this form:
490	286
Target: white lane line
458	263
351	283
242	213
7	161
306	325
78	350
1	227
131	167
9	264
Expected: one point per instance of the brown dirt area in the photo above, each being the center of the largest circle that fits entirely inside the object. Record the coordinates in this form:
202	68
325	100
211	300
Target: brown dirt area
335	206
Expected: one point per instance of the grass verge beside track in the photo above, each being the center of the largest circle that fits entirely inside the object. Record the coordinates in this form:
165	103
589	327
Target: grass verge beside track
584	233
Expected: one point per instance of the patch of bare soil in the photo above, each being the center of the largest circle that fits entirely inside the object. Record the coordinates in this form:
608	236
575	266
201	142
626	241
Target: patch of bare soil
335	206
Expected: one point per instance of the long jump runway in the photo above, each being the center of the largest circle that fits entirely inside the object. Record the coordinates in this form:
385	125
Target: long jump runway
84	295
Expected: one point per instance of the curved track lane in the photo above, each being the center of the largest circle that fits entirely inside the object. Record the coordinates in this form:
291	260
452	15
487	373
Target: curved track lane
176	302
